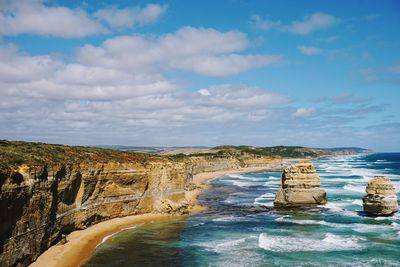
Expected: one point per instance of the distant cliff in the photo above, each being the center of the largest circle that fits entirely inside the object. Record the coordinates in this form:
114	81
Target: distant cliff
289	151
50	190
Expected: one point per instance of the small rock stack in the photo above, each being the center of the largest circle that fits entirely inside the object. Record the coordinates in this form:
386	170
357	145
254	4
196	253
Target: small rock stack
381	199
300	186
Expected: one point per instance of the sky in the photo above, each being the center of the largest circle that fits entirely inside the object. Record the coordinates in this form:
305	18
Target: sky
201	73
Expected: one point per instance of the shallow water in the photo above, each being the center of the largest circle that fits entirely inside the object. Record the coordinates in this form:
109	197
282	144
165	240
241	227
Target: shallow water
241	228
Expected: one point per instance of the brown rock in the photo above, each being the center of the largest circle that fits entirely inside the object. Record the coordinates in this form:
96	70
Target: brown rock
41	203
381	199
300	186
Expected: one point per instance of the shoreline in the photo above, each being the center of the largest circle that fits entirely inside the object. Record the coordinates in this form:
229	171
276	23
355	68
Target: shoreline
82	243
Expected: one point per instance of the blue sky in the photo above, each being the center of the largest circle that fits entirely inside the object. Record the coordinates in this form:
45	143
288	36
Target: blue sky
170	73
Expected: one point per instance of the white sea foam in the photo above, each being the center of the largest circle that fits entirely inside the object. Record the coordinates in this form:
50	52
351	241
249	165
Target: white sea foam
366	173
355	188
232	219
358	227
236	176
331	190
242	183
380	218
357	202
225	219
337	207
111	235
334	205
227	245
288	244
264	198
272	183
310	222
265	204
105	239
364	228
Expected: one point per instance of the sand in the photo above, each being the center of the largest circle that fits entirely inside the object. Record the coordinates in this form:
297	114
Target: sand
82	243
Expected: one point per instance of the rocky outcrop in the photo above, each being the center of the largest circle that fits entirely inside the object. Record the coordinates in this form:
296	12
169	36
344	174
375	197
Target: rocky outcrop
39	204
381	199
300	186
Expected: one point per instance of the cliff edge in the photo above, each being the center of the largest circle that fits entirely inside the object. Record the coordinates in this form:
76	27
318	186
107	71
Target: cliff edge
47	191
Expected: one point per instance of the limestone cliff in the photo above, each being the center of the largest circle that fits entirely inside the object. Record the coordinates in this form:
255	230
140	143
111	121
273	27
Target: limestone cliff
42	198
381	199
40	203
300	186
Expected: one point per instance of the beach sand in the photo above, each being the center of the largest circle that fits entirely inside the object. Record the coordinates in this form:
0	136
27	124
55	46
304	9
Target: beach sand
82	243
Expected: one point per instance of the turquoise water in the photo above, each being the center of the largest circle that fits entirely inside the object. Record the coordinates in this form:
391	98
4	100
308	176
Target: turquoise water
241	227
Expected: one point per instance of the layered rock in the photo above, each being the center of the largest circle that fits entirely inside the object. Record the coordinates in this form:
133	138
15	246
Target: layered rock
381	199
300	186
39	204
49	201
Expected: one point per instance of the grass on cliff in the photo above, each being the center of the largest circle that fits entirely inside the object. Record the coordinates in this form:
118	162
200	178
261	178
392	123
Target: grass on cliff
15	153
275	151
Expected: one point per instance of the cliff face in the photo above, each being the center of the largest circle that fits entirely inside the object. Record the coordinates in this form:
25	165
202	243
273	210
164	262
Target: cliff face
300	186
40	203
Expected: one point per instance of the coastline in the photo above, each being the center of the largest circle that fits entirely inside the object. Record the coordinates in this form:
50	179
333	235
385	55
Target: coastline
82	243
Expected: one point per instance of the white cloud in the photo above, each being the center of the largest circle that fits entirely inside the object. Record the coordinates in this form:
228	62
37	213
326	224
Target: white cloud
33	17
262	24
309	50
219	66
203	51
36	18
204	92
303	112
314	22
16	68
129	17
239	97
41	92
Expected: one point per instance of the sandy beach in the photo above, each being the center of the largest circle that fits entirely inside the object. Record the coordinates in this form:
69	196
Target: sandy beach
82	243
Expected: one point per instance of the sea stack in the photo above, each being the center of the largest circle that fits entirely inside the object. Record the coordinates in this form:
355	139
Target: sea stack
300	186
381	199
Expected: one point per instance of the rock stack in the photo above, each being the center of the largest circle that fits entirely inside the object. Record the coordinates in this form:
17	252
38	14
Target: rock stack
381	199
300	186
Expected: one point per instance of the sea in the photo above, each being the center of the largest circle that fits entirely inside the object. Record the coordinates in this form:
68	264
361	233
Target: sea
242	228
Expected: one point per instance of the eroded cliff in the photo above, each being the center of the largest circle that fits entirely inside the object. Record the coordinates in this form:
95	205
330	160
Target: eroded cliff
40	203
60	190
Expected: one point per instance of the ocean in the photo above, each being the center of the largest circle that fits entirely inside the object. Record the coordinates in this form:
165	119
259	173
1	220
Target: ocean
241	227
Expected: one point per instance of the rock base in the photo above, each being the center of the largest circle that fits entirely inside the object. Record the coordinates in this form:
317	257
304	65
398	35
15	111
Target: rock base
300	197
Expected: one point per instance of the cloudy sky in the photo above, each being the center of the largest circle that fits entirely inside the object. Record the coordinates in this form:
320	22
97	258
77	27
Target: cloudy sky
178	73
